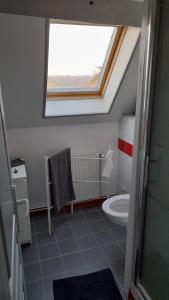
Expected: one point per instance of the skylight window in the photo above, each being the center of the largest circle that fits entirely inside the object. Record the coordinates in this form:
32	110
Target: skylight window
80	58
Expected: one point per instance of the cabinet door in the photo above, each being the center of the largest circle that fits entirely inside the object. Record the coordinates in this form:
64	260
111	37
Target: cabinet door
21	188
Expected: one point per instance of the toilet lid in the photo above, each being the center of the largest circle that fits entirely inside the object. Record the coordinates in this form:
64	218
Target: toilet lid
117	206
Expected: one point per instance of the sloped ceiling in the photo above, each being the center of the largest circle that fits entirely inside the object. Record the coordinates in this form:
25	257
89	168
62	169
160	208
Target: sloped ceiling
116	12
22	55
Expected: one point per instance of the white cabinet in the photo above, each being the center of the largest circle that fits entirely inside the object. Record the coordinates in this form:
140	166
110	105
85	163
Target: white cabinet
16	282
19	179
11	270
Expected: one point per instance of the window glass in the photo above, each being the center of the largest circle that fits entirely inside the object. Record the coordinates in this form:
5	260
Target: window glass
77	55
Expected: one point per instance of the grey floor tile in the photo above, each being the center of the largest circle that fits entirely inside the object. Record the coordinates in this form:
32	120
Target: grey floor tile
35	290
33	229
94	268
75	272
104	237
29	254
48	282
34	241
118	266
68	246
99	208
44	238
40	218
72	261
63	233
32	272
88	209
81	229
119	233
123	245
63	214
48	286
110	224
41	226
49	298
77	212
72	271
93	256
60	214
112	251
121	280
92	216
101	212
87	241
48	251
98	226
52	266
32	217
78	219
60	222
82	271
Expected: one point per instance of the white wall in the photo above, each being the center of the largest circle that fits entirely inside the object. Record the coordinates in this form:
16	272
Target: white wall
22	57
33	143
125	12
124	174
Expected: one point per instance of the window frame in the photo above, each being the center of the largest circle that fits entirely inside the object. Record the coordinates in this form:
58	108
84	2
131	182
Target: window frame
92	93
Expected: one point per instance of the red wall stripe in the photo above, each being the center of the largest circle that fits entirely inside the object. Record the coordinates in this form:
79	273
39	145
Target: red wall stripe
121	145
125	147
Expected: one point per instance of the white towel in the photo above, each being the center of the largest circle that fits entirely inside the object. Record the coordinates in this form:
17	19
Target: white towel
108	167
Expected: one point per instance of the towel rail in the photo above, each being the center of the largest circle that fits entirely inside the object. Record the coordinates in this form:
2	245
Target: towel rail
82	158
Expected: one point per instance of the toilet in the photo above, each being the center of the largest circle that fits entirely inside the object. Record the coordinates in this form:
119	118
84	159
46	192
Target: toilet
116	208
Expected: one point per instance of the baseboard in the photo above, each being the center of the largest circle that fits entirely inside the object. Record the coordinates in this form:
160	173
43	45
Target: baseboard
130	297
77	205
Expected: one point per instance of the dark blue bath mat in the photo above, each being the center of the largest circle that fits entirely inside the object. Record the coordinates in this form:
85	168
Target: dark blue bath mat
95	286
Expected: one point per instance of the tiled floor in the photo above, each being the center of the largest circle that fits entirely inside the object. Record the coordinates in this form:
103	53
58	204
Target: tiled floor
83	243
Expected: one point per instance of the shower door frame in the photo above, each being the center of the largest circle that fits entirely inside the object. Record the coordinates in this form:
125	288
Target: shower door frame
147	59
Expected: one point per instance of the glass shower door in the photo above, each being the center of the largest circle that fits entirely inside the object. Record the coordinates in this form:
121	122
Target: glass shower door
153	275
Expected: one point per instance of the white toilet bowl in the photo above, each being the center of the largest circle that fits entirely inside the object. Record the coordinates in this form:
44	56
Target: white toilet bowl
116	208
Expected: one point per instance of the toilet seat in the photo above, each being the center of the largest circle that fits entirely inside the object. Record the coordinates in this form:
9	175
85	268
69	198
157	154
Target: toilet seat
117	207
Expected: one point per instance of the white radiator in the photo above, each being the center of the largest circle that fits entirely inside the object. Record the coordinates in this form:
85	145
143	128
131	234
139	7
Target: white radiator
86	172
87	178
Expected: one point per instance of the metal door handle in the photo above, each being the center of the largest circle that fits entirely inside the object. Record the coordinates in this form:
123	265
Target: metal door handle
15	205
156	159
153	160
